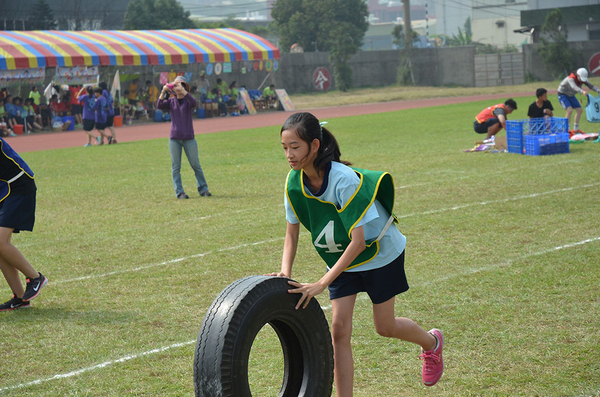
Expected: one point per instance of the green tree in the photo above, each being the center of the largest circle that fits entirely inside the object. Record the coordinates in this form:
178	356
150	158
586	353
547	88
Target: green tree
398	35
337	26
157	14
558	57
42	17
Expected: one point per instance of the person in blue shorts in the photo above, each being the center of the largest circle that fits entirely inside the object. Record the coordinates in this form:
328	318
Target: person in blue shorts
348	212
567	89
17	212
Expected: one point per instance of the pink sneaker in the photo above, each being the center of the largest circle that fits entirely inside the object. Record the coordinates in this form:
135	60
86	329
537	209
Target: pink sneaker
433	363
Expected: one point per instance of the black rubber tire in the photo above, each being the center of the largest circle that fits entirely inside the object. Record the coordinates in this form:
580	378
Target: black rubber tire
231	325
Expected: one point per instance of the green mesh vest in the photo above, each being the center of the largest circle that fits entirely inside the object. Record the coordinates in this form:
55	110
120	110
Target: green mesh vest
331	227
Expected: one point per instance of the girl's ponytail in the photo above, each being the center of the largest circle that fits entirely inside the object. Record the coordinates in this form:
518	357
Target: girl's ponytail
328	151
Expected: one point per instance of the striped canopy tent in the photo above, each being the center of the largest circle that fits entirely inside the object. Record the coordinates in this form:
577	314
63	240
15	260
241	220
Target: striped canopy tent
50	48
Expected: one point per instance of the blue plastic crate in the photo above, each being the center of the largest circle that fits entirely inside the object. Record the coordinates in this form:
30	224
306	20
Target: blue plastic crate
514	136
517	132
542	145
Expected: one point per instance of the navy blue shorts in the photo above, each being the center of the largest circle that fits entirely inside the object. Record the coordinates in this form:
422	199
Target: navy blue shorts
380	284
110	121
100	126
88	125
18	212
482	128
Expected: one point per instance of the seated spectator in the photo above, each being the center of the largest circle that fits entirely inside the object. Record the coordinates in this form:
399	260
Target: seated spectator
5	129
196	94
4	93
3	117
10	111
234	93
542	106
127	108
216	96
30	116
223	86
18	112
269	93
140	110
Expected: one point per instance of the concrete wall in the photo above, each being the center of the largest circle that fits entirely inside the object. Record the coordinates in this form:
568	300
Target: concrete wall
431	67
536	68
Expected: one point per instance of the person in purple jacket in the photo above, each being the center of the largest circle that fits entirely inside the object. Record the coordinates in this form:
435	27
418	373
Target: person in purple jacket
110	119
182	136
101	109
87	101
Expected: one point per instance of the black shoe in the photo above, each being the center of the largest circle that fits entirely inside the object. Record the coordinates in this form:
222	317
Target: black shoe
110	138
14	303
34	286
205	193
182	196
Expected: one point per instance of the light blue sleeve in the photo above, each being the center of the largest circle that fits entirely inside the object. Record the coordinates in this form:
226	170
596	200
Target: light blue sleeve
290	216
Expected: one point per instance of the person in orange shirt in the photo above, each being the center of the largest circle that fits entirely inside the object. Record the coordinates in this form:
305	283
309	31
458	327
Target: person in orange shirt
493	119
76	108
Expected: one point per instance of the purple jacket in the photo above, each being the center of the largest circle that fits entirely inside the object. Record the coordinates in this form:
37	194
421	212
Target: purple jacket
181	115
100	108
88	106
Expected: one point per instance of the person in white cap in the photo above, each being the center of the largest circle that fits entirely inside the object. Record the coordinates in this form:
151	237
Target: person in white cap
567	89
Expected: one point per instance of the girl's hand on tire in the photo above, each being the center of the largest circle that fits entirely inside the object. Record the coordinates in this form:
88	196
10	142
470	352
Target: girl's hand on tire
307	291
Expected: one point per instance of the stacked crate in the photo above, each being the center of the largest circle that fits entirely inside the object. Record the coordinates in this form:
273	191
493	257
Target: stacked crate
538	136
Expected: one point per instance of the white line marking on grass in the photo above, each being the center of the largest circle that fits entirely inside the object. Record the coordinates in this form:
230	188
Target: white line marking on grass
324	308
144	267
98	366
527	196
176	260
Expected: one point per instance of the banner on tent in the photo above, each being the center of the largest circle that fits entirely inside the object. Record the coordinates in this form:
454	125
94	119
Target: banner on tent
27	76
76	75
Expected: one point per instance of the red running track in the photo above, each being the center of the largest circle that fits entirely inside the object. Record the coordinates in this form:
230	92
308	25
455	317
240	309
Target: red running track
58	140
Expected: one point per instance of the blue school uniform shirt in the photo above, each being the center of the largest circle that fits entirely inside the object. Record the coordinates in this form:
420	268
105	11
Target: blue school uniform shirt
88	106
592	110
341	183
100	108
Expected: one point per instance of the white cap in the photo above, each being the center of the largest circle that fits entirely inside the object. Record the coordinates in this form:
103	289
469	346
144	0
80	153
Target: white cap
583	74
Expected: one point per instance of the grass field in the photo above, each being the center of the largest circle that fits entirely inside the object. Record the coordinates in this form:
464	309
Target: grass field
502	255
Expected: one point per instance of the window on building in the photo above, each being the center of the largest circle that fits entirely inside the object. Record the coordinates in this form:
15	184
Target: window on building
594	35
